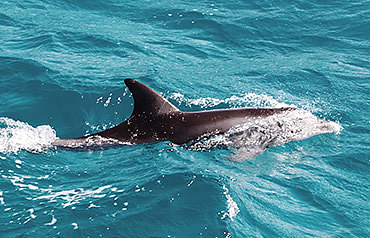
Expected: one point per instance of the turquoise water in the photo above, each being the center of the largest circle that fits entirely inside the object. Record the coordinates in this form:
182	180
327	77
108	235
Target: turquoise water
62	65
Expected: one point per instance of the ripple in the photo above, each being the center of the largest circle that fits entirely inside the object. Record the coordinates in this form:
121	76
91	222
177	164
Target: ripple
6	20
45	41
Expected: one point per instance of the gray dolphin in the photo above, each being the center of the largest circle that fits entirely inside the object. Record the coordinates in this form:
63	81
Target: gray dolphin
155	119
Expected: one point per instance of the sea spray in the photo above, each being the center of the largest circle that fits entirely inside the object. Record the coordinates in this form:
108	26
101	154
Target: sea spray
17	135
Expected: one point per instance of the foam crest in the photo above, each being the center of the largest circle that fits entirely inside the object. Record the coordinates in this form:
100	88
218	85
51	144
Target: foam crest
252	138
248	100
17	135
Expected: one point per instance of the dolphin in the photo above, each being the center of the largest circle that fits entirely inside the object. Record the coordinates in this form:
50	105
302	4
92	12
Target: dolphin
156	119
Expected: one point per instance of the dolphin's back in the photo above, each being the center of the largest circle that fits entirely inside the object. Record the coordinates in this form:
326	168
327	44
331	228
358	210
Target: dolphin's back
196	125
155	119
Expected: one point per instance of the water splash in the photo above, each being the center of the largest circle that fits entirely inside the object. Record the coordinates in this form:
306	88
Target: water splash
248	100
17	135
252	138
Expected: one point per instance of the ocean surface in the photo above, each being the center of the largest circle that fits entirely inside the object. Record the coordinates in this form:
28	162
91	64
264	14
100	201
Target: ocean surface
301	174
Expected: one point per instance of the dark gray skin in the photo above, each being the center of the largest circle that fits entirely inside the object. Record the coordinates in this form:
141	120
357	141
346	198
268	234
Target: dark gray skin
156	119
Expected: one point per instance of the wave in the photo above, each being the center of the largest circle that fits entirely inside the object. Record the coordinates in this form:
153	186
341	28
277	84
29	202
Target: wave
6	20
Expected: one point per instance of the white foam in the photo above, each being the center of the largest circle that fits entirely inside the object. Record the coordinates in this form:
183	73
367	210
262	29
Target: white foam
232	206
1	198
75	225
53	221
17	135
252	138
248	100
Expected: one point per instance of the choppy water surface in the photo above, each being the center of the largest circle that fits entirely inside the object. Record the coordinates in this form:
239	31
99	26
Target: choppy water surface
302	173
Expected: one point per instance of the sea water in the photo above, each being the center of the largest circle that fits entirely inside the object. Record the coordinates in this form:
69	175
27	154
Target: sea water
301	174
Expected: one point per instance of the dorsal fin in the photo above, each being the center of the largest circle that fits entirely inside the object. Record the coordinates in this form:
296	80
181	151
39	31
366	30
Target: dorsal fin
147	101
